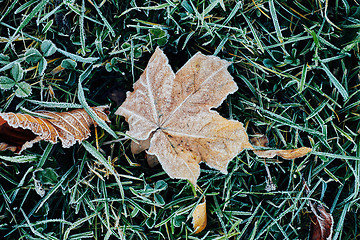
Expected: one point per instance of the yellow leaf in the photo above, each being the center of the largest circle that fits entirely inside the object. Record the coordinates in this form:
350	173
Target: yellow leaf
200	217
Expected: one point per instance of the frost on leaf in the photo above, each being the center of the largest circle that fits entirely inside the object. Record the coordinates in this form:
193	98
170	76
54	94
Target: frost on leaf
176	110
20	131
171	115
262	141
322	222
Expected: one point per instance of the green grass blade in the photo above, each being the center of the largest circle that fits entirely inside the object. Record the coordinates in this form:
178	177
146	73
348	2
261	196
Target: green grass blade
28	18
20	159
106	23
45	155
77	58
335	82
54	104
303	78
82	30
98	120
275	21
9	9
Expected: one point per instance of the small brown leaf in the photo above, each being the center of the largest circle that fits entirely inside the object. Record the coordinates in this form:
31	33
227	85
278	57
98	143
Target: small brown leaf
286	154
152	160
20	131
322	223
200	217
262	141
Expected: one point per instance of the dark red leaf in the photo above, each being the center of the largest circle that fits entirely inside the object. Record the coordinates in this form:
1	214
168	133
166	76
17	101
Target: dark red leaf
321	223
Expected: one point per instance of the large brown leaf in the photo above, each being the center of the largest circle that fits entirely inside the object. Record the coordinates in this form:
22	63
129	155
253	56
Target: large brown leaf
170	115
176	109
20	131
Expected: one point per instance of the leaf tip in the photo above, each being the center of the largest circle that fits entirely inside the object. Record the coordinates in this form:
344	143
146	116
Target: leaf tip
200	217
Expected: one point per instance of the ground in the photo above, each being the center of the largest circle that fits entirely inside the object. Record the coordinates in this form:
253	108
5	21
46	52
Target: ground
296	66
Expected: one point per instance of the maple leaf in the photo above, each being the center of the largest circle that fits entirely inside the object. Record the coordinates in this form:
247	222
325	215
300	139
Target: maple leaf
170	115
174	110
20	131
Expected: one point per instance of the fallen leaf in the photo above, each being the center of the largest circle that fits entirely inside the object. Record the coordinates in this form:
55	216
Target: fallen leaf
322	222
262	141
286	154
170	115
200	217
20	131
152	160
176	109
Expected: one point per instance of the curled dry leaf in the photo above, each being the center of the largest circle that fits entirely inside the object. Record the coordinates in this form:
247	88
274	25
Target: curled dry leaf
200	217
152	160
286	154
176	109
262	141
170	115
20	131
322	222
259	140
